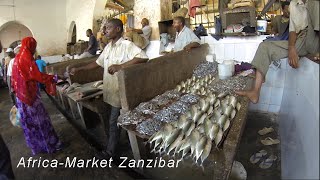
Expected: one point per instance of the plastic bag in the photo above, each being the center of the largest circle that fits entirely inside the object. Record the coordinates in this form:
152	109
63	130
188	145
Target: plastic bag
14	117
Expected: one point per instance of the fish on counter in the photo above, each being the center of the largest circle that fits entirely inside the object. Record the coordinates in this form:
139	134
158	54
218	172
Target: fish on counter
235	83
130	117
196	130
205	68
97	84
149	127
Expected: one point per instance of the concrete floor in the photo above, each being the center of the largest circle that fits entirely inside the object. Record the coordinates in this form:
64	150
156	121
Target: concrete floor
78	147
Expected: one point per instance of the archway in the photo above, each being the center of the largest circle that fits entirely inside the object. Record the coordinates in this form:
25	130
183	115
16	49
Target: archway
72	35
13	32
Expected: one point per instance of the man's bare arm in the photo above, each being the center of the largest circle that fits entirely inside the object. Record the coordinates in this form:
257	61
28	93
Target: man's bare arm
292	51
92	65
117	67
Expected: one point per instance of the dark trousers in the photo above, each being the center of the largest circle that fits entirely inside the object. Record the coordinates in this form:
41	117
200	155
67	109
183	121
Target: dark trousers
11	93
114	131
5	162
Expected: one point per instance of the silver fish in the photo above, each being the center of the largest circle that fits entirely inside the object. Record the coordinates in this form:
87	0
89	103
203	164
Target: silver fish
179	88
176	142
201	129
222	95
156	144
206	78
207	126
180	143
222	121
200	147
228	110
170	139
191	128
196	114
188	82
202	118
213	131
193	78
215	116
182	84
238	106
219	109
188	114
204	105
183	119
233	101
163	132
217	103
186	126
155	136
216	133
233	114
185	148
210	110
206	151
212	99
194	138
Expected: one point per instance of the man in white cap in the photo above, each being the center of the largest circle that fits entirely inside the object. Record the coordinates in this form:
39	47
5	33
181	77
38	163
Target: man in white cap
9	73
7	60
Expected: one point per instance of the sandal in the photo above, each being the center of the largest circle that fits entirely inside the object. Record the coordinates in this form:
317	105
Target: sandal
257	156
269	141
265	131
267	163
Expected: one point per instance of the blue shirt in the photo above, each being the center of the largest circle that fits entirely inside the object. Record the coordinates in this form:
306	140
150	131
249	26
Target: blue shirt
41	64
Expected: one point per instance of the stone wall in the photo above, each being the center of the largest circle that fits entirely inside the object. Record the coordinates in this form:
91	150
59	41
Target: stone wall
45	19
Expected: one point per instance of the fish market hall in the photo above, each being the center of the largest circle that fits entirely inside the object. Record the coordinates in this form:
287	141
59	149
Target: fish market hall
162	89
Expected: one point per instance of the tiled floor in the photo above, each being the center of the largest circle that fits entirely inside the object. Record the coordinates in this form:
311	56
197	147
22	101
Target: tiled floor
250	144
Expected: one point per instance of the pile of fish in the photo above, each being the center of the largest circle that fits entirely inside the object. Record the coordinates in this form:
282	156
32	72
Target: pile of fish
166	107
229	85
196	85
195	131
205	68
130	117
149	127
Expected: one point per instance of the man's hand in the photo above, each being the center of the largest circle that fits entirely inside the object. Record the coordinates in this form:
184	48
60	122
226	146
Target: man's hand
73	71
187	48
114	68
293	57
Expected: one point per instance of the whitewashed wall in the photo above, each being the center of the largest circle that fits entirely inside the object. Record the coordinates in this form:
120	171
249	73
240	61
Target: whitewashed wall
46	20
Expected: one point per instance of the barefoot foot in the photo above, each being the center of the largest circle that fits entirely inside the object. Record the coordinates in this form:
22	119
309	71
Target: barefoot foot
252	95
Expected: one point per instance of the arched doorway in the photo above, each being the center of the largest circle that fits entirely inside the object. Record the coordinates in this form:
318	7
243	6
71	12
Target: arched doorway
72	36
12	32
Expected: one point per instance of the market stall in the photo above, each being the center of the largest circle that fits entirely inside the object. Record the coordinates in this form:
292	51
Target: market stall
156	80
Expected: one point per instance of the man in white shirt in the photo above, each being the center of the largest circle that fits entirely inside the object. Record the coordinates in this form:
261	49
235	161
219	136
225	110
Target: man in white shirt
9	74
185	38
303	39
118	54
145	32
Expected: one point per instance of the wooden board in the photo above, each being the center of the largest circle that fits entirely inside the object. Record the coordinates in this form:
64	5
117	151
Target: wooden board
142	82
